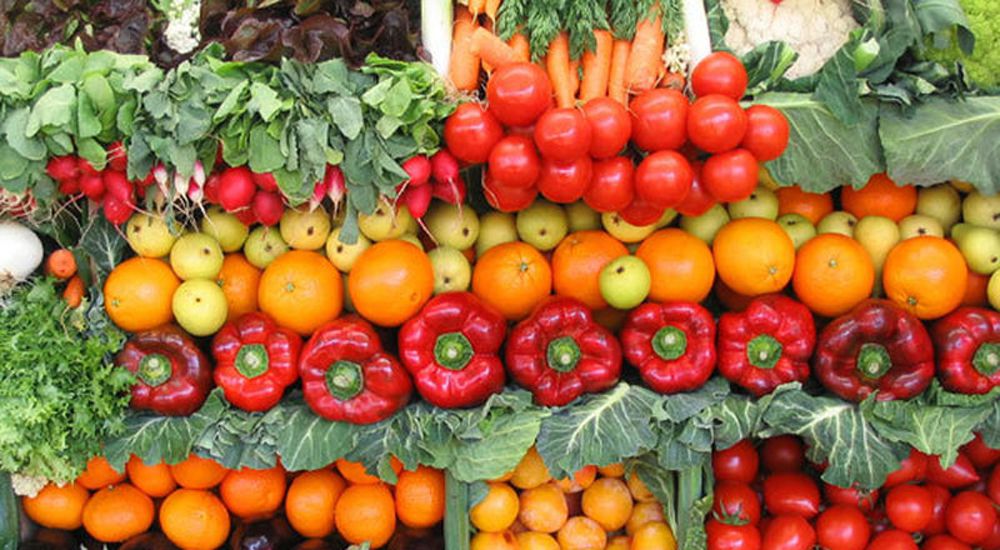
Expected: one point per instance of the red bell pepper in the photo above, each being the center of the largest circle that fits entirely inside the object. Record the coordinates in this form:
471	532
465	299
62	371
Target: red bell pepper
672	345
967	343
451	349
560	353
767	344
173	376
255	360
347	377
876	347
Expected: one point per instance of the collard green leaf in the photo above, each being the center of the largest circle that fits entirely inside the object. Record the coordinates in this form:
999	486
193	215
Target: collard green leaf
103	245
265	155
682	406
739	416
309	442
503	437
838	86
766	64
934	430
243	439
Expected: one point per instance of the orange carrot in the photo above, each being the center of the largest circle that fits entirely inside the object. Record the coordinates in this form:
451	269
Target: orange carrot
61	264
492	7
645	62
597	67
616	77
464	67
491	49
521	47
73	293
476	7
558	66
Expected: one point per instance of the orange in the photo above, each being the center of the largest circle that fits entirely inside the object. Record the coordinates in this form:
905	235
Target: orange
680	265
638	489
355	472
194	520
643	513
833	273
926	276
366	513
390	282
311	500
420	497
880	197
975	289
154	480
512	277
754	256
582	533
301	290
577	264
608	502
581	479
196	472
530	540
655	535
497	511
813	206
494	541
240	281
531	471
138	294
621	542
612	470
118	513
251	494
99	474
543	509
57	507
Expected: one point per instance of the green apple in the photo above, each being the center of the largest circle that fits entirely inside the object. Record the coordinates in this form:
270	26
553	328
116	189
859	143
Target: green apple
941	202
412	239
706	225
877	235
963	187
452	271
151	236
837	222
542	225
762	203
225	227
582	217
264	245
385	222
625	282
979	209
452	225
993	289
667	218
196	256
305	229
918	225
495	228
624	231
980	246
798	228
343	255
200	306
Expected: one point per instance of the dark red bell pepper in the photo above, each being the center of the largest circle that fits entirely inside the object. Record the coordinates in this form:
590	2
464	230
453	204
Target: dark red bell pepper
967	343
451	348
672	345
347	377
255	360
559	353
876	347
767	344
173	376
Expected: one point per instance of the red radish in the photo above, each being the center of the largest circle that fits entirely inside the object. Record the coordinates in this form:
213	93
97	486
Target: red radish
92	185
211	192
195	192
116	211
246	216
267	207
236	188
452	193
265	181
419	169
320	190
63	168
336	186
117	159
416	199
84	166
69	187
118	186
444	167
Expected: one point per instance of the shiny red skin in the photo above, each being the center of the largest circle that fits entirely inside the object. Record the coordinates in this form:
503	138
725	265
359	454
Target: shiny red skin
663	179
716	123
791	493
736	502
610	126
664	372
190	378
236	188
842	527
782	453
957	338
970	517
565	182
981	455
518	93
960	474
563	135
611	185
767	132
507	199
281	347
789	533
911	468
909	507
720	73
893	539
514	162
730	176
698	200
993	485
722	536
471	132
851	496
939	502
944	542
659	119
640	212
737	463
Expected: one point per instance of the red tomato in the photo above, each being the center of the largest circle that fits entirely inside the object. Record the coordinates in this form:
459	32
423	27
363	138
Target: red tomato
659	119
736	500
960	474
563	135
909	507
911	468
507	199
784	453
970	517
939	501
737	463
719	73
993	485
791	493
716	123
893	539
611	185
471	132
944	542
730	176
767	132
640	212
851	496
518	93
565	182
789	533
514	163
722	536
663	179
698	200
842	527
981	455
610	126
992	542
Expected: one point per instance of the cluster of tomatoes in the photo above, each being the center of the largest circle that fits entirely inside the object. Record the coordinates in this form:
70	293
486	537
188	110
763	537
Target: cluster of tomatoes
110	188
768	497
684	155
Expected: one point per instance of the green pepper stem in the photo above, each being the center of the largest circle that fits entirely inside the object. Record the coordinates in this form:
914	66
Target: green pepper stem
563	354
873	361
670	343
155	369
453	351
987	358
763	351
345	380
252	360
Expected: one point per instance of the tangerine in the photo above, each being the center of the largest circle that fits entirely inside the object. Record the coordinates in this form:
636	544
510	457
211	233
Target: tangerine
813	206
420	497
926	276
250	493
833	273
311	500
531	471
117	513
880	197
194	519
196	472
608	502
138	294
390	282
57	507
99	474
240	282
498	509
154	480
680	265
512	277
582	533
357	474
577	264
301	290
366	513
754	256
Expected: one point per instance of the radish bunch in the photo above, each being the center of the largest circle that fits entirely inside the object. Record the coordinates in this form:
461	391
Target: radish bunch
109	187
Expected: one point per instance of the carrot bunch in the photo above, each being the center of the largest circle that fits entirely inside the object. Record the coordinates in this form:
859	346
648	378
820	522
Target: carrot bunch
61	264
